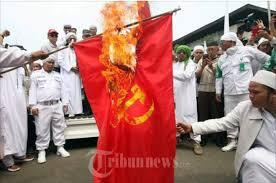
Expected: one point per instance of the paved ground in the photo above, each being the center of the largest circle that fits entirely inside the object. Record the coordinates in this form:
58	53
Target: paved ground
213	167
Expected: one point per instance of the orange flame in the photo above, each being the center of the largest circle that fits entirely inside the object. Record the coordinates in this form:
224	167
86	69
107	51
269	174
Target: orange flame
119	52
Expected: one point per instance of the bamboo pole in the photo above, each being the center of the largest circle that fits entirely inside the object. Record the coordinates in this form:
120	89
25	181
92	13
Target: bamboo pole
128	25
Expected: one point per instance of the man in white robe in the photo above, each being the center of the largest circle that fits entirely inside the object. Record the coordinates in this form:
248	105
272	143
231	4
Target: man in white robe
14	118
256	118
13	57
184	84
62	38
233	73
71	77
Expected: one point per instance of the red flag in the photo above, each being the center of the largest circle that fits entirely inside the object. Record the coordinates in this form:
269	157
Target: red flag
144	9
142	151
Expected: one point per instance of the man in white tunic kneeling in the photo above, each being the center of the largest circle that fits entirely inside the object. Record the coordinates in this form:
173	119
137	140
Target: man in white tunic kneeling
44	98
256	118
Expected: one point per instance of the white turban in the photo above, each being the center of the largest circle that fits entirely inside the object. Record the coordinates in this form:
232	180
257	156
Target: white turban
262	40
229	36
265	78
69	34
198	47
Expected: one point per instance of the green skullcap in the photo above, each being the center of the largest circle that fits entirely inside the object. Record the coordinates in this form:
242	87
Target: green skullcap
186	49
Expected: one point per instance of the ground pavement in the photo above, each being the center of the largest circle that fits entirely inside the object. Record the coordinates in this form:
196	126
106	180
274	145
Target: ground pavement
213	166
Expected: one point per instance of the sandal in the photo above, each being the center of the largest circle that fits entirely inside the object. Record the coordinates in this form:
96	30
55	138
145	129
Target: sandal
26	159
13	168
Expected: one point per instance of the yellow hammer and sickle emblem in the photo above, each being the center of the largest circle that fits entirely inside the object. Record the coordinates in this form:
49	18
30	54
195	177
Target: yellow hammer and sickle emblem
139	95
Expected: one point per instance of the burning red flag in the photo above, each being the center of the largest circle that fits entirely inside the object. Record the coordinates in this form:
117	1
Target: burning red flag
137	136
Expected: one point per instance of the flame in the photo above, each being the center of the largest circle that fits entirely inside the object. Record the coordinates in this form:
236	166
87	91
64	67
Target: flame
119	52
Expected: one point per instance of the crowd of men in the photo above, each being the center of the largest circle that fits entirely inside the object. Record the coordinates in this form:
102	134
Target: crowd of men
212	83
50	89
240	81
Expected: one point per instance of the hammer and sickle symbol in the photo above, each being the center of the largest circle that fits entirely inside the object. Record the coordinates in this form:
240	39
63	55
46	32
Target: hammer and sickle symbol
139	95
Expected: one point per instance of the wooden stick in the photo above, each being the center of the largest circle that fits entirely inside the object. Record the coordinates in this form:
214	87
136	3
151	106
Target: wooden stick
128	25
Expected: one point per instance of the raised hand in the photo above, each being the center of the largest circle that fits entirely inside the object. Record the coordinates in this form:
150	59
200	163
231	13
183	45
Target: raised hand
260	24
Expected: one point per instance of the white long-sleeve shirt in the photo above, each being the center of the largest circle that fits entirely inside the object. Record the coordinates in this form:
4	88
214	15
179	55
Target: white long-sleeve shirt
13	57
47	86
236	69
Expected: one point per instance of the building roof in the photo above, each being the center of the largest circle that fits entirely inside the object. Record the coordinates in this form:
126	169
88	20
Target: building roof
218	25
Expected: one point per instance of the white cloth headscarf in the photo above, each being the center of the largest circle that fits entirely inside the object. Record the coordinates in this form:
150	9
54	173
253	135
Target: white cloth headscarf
231	36
198	47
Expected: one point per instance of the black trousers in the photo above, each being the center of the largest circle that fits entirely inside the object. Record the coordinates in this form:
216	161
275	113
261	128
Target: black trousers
86	106
209	108
31	135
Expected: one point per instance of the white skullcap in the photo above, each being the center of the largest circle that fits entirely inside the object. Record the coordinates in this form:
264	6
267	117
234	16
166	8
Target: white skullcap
51	57
69	34
198	47
265	78
262	40
229	36
38	62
